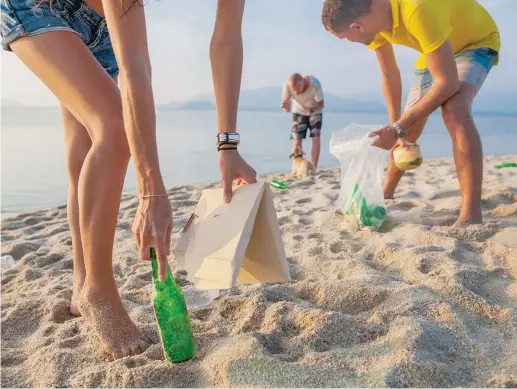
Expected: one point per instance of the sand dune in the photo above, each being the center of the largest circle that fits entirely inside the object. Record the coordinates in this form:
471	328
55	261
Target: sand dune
415	304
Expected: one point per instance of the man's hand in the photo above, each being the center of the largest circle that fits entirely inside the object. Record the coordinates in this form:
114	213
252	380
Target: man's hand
233	167
285	105
386	138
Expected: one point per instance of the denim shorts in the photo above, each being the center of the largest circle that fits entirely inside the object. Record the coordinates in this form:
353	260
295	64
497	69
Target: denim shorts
473	67
26	18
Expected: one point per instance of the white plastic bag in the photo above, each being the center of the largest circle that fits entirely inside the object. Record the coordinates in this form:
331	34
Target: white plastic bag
362	174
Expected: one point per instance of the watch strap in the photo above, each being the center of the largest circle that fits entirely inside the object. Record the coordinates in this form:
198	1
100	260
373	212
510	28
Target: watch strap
399	131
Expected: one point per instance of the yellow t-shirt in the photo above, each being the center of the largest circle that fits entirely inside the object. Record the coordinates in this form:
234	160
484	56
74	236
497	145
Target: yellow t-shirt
425	25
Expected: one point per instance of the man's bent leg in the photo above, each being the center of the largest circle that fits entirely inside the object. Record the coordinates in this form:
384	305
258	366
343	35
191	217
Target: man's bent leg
298	129
473	68
468	153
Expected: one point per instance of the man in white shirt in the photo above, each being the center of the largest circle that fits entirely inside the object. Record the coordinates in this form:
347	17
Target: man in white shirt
308	104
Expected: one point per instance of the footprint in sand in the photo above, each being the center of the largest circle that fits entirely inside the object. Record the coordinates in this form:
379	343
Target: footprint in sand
303	201
504	211
60	312
180	196
17	250
317	250
50	259
442	195
30	221
331	196
6	238
413	194
404	206
50	232
299	212
496	200
183	203
305	220
337	247
284	220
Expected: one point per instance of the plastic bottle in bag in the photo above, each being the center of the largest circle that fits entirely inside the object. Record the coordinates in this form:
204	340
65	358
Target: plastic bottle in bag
366	216
362	174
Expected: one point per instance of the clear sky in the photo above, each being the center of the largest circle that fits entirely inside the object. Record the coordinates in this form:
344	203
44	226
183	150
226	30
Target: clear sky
280	37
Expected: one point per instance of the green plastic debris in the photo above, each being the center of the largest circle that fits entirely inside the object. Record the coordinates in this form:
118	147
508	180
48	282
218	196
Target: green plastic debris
365	215
279	184
172	316
506	164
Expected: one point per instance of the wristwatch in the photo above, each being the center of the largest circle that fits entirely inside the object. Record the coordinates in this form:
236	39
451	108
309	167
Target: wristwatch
229	138
399	131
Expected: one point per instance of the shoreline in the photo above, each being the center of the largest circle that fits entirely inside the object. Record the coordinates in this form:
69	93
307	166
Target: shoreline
13	214
415	304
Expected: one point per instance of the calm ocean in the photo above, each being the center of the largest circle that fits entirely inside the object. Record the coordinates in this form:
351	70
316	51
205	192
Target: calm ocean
33	172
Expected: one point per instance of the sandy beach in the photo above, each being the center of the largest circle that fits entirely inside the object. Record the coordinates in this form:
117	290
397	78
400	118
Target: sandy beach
416	304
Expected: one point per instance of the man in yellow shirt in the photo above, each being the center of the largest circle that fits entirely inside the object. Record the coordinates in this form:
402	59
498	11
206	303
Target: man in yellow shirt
458	42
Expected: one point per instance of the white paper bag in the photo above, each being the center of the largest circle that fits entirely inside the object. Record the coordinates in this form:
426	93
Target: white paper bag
237	242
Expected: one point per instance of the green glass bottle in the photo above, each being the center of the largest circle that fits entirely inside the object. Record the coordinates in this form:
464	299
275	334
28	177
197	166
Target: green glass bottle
172	316
506	164
279	184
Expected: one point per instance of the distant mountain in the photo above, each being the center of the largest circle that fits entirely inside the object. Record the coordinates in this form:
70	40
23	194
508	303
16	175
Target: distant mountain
268	99
196	106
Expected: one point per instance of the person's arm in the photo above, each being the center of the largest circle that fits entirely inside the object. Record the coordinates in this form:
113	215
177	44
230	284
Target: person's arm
446	84
318	96
319	105
126	23
391	80
153	222
286	98
430	25
226	57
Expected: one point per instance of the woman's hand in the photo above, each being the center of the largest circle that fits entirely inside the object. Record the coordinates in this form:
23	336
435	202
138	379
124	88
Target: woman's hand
152	227
233	167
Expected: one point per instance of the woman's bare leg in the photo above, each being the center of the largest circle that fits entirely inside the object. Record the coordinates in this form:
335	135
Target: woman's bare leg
77	144
68	68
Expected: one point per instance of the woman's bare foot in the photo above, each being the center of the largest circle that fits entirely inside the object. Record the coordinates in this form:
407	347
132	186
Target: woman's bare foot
104	310
77	288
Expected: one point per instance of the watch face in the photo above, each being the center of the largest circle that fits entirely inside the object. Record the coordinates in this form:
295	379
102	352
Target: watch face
227	137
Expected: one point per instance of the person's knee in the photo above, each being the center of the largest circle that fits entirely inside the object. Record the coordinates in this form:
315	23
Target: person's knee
110	140
456	113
